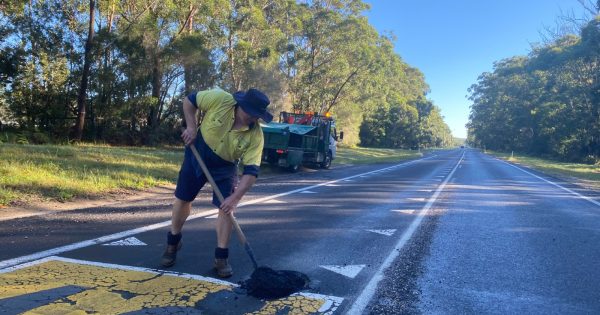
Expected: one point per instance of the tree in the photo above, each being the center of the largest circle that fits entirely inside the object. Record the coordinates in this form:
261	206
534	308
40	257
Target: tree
545	103
81	97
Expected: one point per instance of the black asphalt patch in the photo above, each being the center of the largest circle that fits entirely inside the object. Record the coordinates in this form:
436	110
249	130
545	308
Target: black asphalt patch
266	283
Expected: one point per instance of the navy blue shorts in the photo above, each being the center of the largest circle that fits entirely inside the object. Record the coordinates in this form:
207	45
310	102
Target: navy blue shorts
192	179
189	185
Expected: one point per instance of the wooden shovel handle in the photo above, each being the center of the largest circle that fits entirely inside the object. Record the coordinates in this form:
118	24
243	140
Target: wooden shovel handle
217	191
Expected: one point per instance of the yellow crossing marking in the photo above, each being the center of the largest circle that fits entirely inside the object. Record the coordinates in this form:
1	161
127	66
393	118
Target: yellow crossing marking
57	285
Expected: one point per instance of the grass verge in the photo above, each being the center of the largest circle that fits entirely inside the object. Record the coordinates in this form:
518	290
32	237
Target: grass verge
371	155
588	173
64	172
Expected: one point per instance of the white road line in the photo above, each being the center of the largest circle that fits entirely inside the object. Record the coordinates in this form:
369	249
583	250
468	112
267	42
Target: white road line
389	232
367	293
330	302
130	241
100	240
405	211
349	271
555	184
274	201
120	235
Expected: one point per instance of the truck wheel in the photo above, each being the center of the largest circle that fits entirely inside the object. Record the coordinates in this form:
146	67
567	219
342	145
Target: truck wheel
294	168
273	159
327	161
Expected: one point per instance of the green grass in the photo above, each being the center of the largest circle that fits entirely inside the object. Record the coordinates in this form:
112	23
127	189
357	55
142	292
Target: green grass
590	173
371	155
64	172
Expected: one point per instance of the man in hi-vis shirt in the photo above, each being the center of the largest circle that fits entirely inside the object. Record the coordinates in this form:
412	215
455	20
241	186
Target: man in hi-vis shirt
229	131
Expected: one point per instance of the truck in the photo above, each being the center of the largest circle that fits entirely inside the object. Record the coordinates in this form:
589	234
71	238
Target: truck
299	139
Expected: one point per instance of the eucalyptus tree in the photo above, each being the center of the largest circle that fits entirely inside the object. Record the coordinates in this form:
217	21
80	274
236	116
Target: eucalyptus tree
546	103
330	54
37	36
85	73
398	114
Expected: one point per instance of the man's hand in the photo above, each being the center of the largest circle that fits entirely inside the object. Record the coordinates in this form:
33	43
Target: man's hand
229	204
189	135
189	112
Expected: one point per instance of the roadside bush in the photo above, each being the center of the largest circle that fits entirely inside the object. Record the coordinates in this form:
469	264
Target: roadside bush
39	138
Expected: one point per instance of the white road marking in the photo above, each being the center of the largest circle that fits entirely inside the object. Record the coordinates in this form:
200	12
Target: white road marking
350	271
383	232
120	235
100	240
274	201
555	184
333	185
308	192
130	241
416	199
330	302
361	302
405	211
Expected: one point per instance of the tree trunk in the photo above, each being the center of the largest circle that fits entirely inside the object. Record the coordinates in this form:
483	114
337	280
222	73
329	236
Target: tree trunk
85	76
156	87
187	63
106	85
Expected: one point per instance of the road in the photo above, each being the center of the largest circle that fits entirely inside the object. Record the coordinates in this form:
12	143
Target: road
456	231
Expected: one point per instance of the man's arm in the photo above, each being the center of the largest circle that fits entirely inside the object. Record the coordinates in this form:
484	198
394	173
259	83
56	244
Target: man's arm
189	112
232	201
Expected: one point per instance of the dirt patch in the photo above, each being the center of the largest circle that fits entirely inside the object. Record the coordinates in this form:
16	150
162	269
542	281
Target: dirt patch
30	208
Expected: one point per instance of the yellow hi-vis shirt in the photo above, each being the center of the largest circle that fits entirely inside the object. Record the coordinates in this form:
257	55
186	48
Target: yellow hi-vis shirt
245	144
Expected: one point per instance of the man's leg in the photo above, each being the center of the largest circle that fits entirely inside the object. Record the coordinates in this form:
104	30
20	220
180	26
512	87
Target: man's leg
224	227
188	186
181	210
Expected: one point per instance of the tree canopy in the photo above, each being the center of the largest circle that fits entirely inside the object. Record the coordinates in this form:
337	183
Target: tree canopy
122	67
546	103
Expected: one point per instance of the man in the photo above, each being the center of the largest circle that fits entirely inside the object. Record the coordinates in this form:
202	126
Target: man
229	131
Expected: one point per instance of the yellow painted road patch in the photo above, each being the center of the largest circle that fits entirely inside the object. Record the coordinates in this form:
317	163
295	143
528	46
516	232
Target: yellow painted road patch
56	285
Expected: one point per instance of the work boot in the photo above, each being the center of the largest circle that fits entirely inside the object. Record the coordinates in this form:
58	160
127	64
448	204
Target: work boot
223	268
174	244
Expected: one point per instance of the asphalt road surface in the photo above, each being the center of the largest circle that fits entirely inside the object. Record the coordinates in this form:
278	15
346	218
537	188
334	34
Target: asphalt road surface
455	232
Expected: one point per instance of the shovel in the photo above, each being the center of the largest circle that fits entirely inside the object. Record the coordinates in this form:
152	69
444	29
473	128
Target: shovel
264	283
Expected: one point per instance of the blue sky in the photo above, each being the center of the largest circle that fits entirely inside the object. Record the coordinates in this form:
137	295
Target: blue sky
453	42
